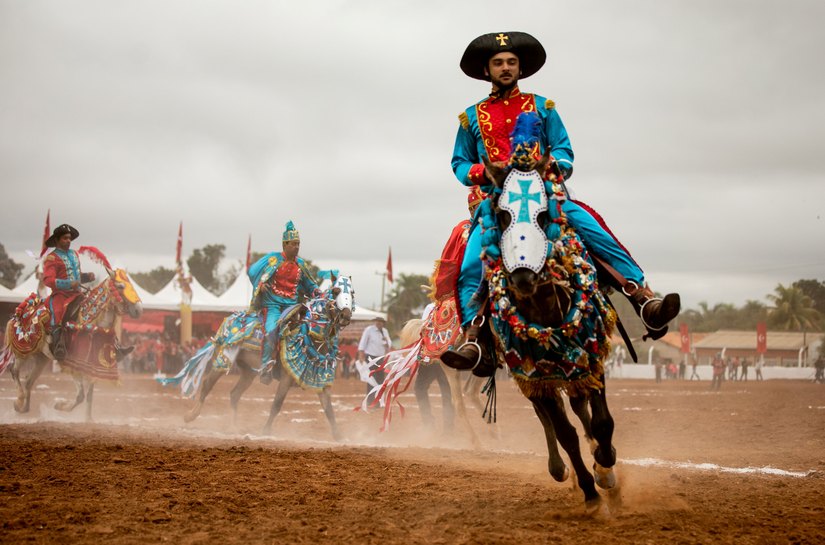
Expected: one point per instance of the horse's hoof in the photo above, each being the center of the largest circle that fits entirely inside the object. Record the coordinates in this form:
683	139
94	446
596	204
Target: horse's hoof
267	430
189	417
605	477
62	406
21	406
563	477
596	508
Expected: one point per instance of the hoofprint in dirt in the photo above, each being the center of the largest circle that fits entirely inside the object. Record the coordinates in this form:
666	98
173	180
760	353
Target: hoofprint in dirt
741	466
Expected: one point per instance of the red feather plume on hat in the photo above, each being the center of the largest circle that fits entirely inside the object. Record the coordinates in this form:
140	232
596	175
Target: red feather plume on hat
95	255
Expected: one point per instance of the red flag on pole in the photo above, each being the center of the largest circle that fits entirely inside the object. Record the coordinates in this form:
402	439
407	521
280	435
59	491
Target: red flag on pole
685	335
761	338
249	253
389	266
46	233
180	244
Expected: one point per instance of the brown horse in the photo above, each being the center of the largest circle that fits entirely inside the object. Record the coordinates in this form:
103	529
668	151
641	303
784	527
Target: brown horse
91	354
547	320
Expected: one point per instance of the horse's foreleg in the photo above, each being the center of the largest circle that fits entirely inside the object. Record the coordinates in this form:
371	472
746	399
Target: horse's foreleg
605	453
89	395
280	395
208	383
555	465
581	409
243	384
569	440
80	395
457	393
326	403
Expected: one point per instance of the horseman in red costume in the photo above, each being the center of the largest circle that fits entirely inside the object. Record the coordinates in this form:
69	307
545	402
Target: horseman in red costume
502	59
61	272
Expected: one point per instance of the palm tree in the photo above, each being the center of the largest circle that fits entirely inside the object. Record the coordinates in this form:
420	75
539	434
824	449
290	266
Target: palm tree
793	310
407	299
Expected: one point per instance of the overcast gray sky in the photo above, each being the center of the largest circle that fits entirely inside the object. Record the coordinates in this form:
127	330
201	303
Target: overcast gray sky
698	128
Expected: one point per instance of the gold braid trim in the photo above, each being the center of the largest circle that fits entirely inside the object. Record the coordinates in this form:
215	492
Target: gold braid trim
550	105
533	389
464	120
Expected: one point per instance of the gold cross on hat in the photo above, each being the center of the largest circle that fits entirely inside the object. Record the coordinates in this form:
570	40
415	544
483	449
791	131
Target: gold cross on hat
502	39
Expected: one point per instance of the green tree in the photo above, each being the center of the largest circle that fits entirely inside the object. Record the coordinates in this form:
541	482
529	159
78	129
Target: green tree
815	290
204	265
154	280
792	310
9	269
406	300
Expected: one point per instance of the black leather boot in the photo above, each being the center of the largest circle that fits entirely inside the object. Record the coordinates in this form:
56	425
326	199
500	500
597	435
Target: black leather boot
58	345
472	354
655	312
123	351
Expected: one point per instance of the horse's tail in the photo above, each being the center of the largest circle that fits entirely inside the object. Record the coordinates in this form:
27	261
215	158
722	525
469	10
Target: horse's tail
6	353
6	358
192	373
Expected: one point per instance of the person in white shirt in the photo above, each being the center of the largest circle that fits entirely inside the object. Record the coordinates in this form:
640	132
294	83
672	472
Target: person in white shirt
375	342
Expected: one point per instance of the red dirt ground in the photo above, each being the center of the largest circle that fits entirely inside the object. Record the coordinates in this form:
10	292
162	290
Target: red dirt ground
139	474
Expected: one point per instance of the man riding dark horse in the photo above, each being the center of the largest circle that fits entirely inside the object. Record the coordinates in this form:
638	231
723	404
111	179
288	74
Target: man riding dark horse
61	273
483	144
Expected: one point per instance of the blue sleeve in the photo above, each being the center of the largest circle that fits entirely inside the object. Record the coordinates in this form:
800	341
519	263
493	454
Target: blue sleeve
63	283
464	155
558	141
257	269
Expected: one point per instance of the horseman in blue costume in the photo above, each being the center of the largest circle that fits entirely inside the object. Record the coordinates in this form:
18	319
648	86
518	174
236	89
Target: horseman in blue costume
484	135
280	280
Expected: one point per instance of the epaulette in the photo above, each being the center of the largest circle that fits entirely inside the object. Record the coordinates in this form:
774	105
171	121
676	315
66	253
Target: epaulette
550	105
464	120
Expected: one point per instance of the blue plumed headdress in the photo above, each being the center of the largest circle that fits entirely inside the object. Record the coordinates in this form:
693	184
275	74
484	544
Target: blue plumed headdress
291	233
525	141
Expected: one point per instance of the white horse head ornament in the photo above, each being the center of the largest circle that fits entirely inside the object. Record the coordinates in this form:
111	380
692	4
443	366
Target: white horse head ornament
523	242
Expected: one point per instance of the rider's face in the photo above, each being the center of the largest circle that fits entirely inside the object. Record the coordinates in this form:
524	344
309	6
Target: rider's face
503	69
64	242
291	248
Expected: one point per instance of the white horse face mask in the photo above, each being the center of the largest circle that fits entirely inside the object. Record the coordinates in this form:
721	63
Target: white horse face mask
344	298
523	242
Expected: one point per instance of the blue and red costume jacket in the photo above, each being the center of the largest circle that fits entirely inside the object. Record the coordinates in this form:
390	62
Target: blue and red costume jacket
60	270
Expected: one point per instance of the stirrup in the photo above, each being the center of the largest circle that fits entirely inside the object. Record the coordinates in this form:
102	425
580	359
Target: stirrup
642	314
478	348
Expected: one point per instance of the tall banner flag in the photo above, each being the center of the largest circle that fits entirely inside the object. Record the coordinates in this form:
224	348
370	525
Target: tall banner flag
685	337
761	338
180	244
46	233
249	253
389	266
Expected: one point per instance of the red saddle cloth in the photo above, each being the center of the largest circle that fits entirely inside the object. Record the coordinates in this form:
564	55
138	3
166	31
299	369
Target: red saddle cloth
92	352
27	330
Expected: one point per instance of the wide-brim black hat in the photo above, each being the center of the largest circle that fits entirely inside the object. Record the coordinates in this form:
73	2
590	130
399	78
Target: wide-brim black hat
530	53
58	232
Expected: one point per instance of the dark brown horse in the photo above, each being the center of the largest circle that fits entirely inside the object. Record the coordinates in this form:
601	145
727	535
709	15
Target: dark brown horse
549	321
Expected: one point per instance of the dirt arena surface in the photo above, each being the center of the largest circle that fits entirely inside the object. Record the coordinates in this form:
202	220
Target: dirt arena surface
744	465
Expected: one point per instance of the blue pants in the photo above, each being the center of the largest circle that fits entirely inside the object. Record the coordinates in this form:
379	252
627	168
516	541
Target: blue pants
593	235
273	313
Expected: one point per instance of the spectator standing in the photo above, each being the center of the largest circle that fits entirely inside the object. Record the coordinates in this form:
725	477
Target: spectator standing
375	342
718	372
744	375
819	364
758	368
